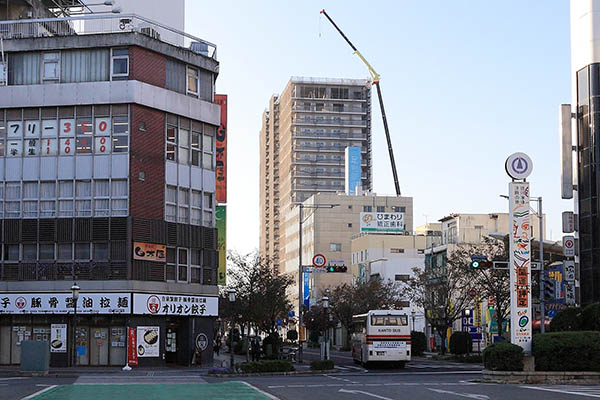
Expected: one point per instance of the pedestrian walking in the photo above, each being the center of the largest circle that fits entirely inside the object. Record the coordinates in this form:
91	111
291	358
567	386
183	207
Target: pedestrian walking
255	349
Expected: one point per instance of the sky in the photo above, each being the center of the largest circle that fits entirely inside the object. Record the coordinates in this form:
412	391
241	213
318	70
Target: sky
465	84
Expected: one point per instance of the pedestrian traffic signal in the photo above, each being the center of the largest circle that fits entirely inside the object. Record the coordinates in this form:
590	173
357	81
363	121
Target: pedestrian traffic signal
480	262
337	268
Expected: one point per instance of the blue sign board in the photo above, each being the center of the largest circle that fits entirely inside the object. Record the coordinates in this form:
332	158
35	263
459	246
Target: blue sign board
353	169
279	322
307	290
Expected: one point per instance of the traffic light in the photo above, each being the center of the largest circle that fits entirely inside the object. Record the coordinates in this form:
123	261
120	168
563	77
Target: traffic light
550	290
337	268
480	262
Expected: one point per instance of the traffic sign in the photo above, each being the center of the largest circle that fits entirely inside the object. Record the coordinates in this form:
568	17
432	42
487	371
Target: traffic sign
569	246
319	260
518	166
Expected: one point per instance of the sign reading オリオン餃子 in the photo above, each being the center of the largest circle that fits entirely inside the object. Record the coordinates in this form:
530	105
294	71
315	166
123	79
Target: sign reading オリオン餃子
167	304
520	265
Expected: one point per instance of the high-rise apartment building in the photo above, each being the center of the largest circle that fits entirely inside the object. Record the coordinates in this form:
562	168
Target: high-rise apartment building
107	179
304	135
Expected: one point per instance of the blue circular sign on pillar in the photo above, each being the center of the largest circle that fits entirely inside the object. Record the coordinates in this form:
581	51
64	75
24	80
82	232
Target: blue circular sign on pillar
518	166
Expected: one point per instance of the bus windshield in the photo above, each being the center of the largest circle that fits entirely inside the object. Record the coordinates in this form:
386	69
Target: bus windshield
389	320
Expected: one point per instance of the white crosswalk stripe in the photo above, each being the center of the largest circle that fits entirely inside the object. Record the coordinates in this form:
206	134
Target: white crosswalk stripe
588	391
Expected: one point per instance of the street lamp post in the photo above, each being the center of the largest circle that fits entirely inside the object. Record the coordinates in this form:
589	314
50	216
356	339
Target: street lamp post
75	293
301	206
232	300
325	302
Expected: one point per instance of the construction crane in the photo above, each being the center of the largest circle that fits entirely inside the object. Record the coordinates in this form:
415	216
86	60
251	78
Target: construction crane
375	81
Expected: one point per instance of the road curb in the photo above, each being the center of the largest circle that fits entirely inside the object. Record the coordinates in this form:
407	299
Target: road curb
542	377
320	372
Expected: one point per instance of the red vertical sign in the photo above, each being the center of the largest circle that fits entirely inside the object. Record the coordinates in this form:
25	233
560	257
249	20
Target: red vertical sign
221	145
131	347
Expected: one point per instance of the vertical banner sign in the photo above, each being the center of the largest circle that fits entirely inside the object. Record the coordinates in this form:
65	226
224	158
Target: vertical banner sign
520	265
132	347
221	147
306	291
353	169
58	338
221	218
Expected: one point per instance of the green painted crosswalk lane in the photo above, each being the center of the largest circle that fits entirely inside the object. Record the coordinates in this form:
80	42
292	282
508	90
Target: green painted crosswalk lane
213	391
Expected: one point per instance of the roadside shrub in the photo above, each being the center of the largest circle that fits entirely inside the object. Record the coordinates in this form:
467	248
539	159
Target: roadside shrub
469	358
567	351
460	343
503	356
569	319
266	366
590	320
292	335
418	343
319	365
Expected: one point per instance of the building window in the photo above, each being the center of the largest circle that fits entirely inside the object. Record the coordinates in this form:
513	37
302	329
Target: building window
47	251
12	205
11	252
30	197
402	278
30	252
182	265
100	251
119	201
119	66
335	247
47	199
196	148
367	208
171	203
196	208
350	225
65	251
192	81
380	208
101	198
171	264
398	209
208	209
82	251
51	66
184	146
396	250
207	147
184	206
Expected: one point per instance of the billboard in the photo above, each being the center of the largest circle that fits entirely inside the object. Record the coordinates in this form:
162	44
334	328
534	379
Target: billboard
221	218
381	222
149	252
221	149
353	171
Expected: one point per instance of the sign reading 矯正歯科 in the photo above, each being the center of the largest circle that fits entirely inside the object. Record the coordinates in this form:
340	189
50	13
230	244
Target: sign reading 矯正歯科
170	304
381	222
62	303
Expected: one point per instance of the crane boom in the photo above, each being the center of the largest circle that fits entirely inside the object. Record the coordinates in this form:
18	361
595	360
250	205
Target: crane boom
375	79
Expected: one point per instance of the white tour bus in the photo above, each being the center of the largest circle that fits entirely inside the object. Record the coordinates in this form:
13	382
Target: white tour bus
381	336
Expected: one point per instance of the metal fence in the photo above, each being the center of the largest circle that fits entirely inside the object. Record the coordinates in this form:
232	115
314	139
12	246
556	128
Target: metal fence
99	24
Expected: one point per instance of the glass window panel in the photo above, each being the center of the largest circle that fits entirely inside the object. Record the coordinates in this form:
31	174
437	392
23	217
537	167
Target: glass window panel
171	255
11	252
102	188
30	190
101	207
207	161
100	251
196	216
196	198
208	200
120	144
65	189
183	273
207	218
121	125
48	190
120	66
82	251
195	140
209	276
46	251
30	252
47	208
119	207
183	215
2	154
12	209
84	126
182	257
207	143
184	137
13	191
65	251
171	133
171	272
171	213
30	209
184	197
183	155
65	208
196	258
196	158
119	188
196	275
83	189
171	152
171	194
120	52
83	208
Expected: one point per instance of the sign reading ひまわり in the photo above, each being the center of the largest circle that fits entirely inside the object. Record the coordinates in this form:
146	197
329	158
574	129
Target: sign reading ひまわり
149	252
171	304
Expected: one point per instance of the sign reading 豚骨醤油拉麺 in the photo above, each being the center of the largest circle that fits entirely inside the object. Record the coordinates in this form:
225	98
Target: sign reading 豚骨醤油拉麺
175	304
381	222
62	303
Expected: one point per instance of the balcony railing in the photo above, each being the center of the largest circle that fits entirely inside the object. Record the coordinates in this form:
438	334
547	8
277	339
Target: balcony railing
328	109
328	121
330	135
98	24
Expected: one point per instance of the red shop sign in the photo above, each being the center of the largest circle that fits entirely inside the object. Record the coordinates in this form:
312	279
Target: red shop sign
131	347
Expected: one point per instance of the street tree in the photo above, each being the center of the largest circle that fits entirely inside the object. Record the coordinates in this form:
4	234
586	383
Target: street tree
347	300
443	291
487	282
261	295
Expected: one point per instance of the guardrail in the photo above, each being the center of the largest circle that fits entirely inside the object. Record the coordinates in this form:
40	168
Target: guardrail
98	24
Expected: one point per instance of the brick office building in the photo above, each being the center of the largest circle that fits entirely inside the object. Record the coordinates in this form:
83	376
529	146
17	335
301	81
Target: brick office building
107	179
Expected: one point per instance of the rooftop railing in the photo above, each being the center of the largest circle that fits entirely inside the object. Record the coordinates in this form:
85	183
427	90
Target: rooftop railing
98	24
